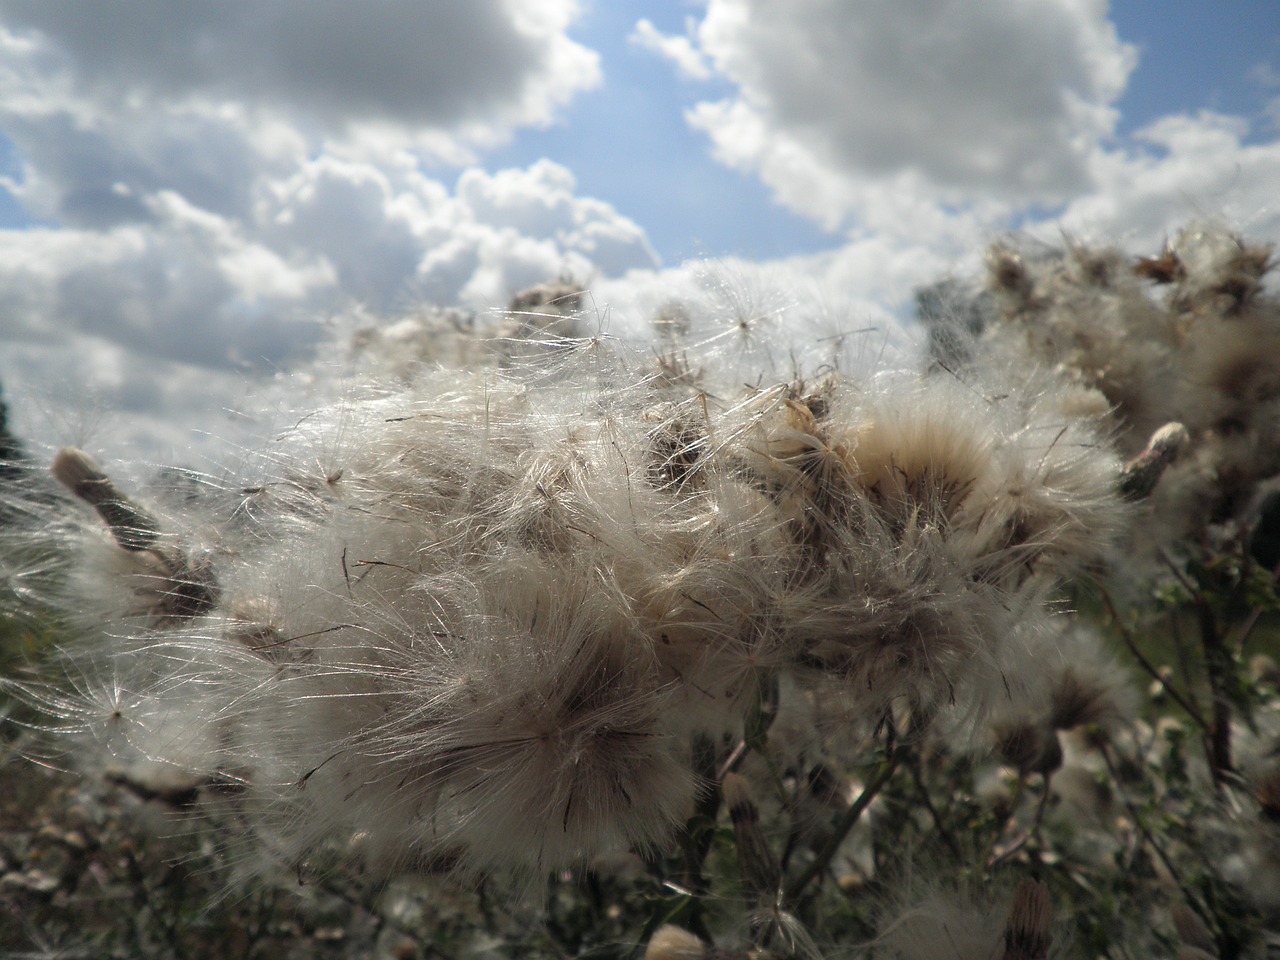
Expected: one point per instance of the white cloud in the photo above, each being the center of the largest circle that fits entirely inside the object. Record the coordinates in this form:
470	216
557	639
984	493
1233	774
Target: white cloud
93	392
350	214
186	302
88	159
442	65
395	237
960	103
233	114
186	286
688	60
215	181
921	130
514	228
1182	168
541	202
203	100
211	197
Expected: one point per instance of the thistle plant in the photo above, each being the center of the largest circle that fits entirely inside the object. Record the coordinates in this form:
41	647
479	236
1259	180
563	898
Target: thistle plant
755	658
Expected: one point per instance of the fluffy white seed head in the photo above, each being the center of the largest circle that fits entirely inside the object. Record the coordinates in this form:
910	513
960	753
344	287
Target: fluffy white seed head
1185	336
474	619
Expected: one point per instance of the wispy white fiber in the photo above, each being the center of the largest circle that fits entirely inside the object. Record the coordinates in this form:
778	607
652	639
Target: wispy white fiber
474	618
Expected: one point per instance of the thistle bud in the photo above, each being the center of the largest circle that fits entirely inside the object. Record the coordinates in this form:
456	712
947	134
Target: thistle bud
1191	929
178	584
1026	932
761	871
672	943
131	526
1141	474
1030	748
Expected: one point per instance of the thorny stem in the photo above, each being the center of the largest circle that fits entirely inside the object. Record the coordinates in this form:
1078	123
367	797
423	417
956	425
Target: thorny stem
362	901
1255	615
1181	577
1043	806
758	722
1032	831
1184	663
846	823
1188	894
694	841
1246	629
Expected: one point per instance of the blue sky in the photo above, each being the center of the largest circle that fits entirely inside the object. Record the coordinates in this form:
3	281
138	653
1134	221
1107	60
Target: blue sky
198	195
1192	55
628	142
1197	55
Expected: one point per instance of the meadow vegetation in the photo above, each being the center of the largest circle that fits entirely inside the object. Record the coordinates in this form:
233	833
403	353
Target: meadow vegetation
734	645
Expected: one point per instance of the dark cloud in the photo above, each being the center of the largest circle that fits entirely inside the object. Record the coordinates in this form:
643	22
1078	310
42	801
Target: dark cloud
416	63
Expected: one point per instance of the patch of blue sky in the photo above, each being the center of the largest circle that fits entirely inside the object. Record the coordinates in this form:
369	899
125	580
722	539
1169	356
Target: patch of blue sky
627	143
1200	55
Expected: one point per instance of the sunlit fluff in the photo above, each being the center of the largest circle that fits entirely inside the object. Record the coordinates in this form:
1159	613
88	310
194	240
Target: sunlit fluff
474	620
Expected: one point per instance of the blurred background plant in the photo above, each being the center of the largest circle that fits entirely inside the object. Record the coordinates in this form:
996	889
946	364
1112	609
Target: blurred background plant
974	662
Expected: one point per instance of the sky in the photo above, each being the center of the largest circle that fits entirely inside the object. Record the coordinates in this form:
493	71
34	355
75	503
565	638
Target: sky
193	195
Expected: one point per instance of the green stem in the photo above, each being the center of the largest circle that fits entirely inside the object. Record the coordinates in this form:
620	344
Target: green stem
846	823
1150	667
1219	665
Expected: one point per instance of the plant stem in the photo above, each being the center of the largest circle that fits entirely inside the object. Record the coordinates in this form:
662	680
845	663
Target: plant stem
846	823
1149	667
1218	664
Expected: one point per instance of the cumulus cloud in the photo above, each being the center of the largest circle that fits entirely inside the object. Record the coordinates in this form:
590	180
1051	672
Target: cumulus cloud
486	66
303	129
396	237
839	104
90	391
203	100
919	131
192	285
187	286
185	289
1180	168
212	183
542	202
